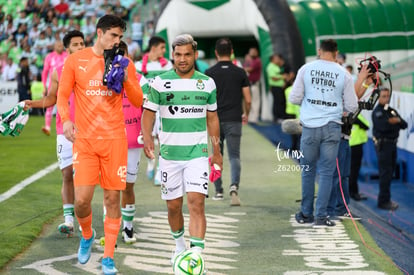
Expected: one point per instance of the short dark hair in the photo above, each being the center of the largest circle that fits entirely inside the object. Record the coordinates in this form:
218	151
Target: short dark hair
276	55
109	21
71	34
224	47
155	41
280	56
329	45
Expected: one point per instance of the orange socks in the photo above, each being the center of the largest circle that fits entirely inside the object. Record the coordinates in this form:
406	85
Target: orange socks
111	228
86	225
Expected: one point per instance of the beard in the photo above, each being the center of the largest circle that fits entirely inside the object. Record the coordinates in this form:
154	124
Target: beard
184	71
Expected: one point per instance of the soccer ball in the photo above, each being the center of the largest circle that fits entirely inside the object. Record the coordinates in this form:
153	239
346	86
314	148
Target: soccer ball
189	262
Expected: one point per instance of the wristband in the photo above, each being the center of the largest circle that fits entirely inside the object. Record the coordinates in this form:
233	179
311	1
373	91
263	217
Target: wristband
365	85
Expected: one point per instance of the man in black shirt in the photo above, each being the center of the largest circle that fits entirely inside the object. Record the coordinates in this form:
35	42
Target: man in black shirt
233	103
387	124
23	79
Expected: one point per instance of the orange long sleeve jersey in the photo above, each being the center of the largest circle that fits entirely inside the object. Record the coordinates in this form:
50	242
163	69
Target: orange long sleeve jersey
98	112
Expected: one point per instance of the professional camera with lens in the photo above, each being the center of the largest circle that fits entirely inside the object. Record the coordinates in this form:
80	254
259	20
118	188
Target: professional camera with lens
374	64
370	103
347	122
374	67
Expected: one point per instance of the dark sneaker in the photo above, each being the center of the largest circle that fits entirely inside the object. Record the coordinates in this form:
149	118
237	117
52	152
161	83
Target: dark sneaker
389	206
358	197
349	216
128	235
323	222
218	197
302	219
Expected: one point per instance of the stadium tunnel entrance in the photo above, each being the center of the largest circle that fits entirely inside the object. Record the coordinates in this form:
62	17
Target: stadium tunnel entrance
241	45
267	24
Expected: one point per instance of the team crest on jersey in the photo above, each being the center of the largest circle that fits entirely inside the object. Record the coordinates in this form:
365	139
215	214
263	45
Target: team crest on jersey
164	189
200	84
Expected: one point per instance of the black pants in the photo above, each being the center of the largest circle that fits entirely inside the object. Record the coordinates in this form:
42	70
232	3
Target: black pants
387	158
279	103
356	160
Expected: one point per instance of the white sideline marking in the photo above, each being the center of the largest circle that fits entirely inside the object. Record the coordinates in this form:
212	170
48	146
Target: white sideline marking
152	251
18	187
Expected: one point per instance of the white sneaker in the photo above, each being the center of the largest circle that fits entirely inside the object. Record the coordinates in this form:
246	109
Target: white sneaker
66	228
128	236
349	216
175	255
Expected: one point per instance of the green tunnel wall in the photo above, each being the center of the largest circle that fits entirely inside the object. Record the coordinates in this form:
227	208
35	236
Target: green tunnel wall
357	25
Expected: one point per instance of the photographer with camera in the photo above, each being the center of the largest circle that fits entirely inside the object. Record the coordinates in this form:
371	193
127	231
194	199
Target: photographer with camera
340	189
387	125
368	74
359	136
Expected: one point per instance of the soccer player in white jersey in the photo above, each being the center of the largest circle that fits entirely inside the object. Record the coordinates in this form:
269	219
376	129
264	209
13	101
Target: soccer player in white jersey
154	63
132	117
186	100
73	42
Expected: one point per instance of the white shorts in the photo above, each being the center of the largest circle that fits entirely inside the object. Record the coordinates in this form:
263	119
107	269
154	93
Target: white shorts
64	150
134	156
179	177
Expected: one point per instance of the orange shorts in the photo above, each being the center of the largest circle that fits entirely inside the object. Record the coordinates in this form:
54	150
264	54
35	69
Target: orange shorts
100	161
